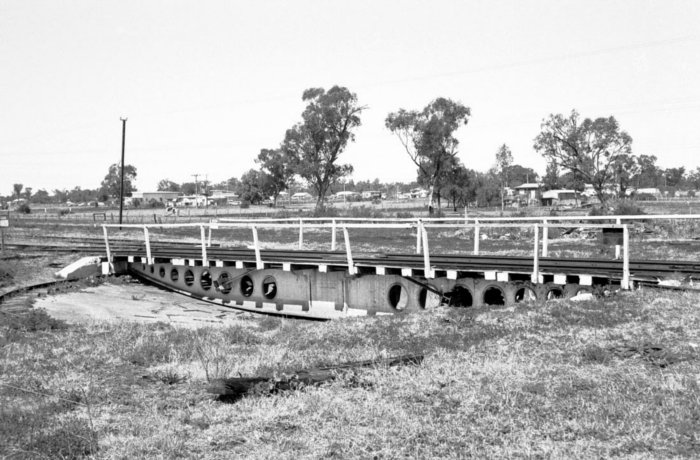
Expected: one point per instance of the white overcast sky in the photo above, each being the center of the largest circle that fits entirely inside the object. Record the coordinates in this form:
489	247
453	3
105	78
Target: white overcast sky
206	84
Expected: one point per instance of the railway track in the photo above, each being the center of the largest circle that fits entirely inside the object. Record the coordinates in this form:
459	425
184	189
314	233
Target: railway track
640	269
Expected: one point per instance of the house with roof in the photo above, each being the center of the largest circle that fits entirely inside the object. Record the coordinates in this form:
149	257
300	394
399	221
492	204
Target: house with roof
528	194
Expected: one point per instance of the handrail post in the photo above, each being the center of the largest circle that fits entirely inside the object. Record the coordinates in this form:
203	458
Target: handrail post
301	234
333	238
109	253
256	246
209	239
351	266
545	238
148	243
617	246
419	227
626	258
476	237
535	277
205	261
428	272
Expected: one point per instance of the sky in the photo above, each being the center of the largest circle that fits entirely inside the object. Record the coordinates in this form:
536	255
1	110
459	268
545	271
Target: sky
205	85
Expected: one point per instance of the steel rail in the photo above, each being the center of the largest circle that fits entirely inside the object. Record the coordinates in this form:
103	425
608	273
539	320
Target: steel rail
441	262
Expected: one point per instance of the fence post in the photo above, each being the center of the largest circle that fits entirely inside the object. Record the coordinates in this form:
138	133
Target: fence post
617	246
301	233
545	238
535	277
209	238
109	253
205	261
333	242
476	237
148	244
428	272
626	258
419	226
348	251
256	245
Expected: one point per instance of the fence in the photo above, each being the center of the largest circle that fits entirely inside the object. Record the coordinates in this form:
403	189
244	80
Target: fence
420	226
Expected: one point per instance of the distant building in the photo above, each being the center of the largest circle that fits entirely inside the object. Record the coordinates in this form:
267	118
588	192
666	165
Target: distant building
529	193
419	193
559	198
371	195
161	197
302	196
652	191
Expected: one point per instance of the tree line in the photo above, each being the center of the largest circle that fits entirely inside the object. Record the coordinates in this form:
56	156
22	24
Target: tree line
577	152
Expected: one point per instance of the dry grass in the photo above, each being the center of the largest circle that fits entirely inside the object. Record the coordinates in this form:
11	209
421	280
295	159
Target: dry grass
615	377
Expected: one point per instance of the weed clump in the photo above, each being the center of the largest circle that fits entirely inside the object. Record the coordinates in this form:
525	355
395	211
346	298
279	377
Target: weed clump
36	319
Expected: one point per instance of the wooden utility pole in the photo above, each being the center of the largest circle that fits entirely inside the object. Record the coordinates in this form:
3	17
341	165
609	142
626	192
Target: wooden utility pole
121	186
196	190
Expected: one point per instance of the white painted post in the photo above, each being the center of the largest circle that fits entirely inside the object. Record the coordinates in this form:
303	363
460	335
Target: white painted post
535	277
626	258
209	239
205	261
617	246
148	244
426	255
545	238
333	242
476	237
301	234
256	245
351	265
109	254
419	227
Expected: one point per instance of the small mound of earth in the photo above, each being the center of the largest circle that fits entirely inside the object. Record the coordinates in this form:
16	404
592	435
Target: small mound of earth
138	303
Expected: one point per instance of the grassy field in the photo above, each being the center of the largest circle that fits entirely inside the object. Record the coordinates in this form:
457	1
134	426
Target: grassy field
614	377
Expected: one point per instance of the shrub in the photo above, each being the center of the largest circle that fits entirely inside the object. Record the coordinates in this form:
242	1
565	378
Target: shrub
24	209
325	211
597	211
245	204
627	208
34	320
156	204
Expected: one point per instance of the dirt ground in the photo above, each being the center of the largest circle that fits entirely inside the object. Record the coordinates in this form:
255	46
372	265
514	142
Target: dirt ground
136	302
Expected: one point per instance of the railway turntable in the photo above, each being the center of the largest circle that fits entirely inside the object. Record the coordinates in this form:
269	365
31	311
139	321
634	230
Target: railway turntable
335	283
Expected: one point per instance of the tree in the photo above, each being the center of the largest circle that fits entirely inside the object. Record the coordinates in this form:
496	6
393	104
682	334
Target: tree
551	176
648	173
504	158
60	196
253	185
673	177
588	149
428	137
112	181
166	185
313	146
28	193
625	167
487	193
694	178
518	175
188	188
460	186
278	169
41	197
17	189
